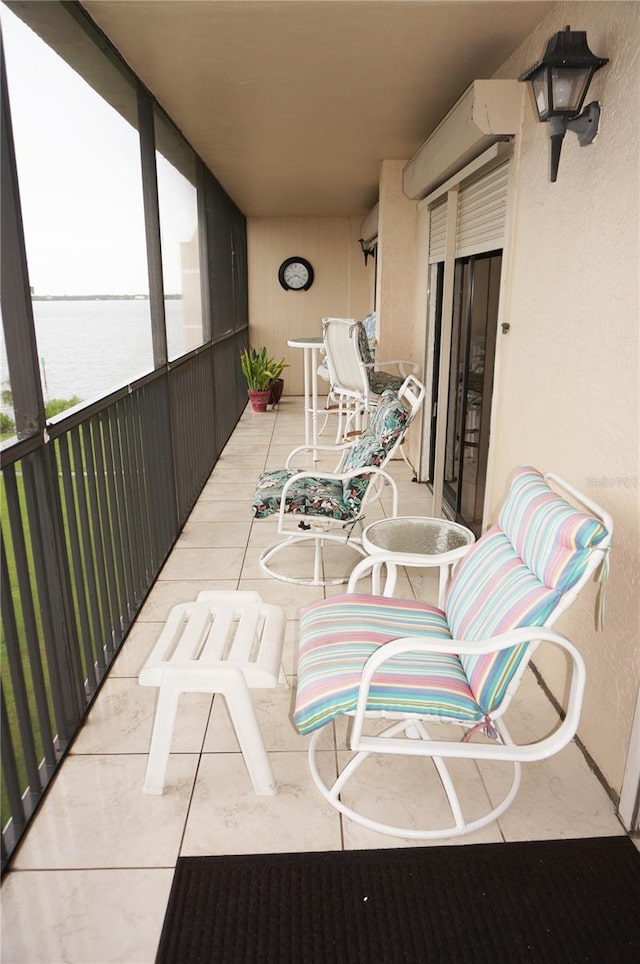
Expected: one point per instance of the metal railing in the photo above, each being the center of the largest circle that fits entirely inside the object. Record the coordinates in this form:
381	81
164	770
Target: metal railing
91	511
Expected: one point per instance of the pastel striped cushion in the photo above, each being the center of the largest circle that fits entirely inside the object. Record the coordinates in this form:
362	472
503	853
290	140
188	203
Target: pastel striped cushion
551	537
338	635
516	574
491	593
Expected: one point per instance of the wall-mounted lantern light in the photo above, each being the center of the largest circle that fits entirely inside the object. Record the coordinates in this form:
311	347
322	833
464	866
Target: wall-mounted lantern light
367	249
559	82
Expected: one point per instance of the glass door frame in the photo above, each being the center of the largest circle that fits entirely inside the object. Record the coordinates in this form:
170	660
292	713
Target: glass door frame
458	331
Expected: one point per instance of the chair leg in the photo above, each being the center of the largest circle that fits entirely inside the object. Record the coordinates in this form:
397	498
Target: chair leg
326	419
160	746
340	419
317	562
406	458
317	578
249	736
458	828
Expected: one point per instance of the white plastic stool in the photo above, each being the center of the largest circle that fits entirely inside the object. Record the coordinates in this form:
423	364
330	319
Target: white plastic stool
224	642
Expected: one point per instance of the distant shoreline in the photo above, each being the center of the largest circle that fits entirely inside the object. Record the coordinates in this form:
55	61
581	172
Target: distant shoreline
100	297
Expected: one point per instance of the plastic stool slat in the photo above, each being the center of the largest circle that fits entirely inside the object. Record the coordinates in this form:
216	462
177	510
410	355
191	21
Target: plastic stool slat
204	647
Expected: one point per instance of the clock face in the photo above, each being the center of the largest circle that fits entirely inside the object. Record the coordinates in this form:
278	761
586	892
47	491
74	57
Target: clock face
295	274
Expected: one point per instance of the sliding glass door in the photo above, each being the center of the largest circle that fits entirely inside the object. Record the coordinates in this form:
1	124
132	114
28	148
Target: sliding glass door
473	338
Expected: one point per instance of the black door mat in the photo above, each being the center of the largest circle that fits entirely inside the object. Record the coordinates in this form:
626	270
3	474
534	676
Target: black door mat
547	901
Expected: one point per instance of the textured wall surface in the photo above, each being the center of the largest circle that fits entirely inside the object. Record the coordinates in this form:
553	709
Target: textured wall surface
568	385
342	287
396	281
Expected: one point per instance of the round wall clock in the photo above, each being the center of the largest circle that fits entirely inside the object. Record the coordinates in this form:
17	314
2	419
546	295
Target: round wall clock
295	274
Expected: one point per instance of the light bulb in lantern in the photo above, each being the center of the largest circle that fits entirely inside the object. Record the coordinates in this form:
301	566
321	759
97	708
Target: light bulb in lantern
562	91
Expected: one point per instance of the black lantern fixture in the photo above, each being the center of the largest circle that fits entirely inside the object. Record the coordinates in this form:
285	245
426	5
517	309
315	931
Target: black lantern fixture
367	249
559	82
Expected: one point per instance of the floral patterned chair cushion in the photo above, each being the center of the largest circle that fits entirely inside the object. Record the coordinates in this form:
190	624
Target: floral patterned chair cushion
314	495
307	496
391	415
378	381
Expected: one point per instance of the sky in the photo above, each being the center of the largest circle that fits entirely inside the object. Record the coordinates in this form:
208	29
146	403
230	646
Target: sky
80	182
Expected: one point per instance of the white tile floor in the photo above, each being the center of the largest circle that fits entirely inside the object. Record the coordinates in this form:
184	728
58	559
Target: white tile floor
91	881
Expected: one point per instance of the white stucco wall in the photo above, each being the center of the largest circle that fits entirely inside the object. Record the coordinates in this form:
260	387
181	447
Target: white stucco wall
567	390
396	280
342	285
396	273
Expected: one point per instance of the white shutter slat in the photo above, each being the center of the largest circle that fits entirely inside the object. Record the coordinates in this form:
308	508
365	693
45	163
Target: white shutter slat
438	231
481	213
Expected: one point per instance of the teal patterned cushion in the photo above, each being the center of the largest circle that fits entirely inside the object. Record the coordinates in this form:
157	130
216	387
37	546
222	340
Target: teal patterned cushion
390	415
329	497
367	450
372	448
363	344
307	496
378	381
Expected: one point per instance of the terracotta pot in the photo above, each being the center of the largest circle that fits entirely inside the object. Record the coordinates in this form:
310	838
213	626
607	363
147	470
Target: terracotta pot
259	400
276	391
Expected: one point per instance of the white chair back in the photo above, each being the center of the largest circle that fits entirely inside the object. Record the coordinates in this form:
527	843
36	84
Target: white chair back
343	358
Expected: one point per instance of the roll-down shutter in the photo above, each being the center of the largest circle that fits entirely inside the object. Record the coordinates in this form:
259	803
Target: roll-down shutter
438	231
480	219
481	213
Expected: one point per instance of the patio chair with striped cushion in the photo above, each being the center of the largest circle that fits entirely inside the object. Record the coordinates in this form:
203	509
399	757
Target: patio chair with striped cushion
373	656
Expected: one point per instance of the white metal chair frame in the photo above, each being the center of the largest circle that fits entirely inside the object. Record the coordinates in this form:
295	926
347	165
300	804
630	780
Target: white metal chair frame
318	529
408	735
348	384
349	381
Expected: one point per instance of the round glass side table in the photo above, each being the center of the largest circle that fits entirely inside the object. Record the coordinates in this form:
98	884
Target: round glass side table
416	541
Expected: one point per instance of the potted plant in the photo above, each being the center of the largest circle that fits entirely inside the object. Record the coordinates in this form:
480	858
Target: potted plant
277	385
260	372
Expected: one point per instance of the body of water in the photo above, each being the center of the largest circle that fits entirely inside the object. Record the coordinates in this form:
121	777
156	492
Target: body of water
89	348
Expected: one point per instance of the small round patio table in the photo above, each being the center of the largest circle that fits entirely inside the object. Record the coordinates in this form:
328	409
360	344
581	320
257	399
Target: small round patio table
417	541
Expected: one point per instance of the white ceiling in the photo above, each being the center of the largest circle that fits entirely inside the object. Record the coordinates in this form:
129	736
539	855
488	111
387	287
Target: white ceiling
294	103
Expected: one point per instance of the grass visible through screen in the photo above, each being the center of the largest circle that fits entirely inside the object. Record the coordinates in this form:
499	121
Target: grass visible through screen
78	474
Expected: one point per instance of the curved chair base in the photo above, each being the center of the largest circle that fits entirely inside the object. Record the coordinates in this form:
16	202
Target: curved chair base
459	826
318	578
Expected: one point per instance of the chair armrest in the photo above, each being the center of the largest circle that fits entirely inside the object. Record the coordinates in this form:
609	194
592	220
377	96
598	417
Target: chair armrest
341	449
509	751
404	367
464	647
336	476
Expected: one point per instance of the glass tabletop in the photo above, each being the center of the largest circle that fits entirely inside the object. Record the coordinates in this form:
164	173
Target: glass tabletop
416	535
314	342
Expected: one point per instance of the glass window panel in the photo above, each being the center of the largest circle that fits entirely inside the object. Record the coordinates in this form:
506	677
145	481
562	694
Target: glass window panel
541	94
434	324
7	412
178	201
459	334
568	86
78	163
